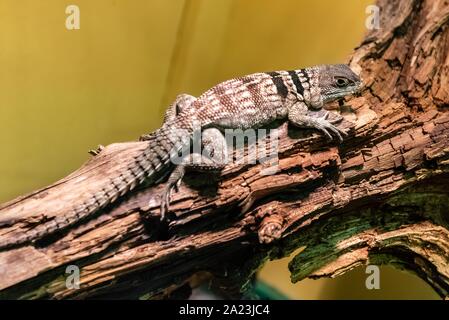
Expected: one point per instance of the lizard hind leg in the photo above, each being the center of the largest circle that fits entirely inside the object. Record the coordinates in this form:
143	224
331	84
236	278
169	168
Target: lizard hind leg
182	103
212	160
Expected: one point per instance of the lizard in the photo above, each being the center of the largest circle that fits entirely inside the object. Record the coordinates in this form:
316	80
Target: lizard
250	101
214	152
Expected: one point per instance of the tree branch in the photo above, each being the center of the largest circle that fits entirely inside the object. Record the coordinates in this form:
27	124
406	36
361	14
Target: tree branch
379	198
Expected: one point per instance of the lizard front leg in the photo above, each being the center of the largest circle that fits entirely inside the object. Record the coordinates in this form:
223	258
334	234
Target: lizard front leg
301	116
212	159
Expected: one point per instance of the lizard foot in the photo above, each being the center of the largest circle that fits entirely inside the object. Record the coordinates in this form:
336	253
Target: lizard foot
336	118
327	127
173	183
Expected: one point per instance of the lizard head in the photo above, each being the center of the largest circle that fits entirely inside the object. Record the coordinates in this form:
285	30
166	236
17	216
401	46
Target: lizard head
337	81
331	82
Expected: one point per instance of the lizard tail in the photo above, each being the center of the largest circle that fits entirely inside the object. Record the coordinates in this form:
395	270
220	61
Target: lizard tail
163	144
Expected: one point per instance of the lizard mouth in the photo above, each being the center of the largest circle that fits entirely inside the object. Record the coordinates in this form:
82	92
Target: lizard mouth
349	91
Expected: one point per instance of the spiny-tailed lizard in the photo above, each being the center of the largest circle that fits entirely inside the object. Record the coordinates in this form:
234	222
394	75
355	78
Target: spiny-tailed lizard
251	101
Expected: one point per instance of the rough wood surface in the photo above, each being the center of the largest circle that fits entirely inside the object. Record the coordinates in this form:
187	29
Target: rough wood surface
379	198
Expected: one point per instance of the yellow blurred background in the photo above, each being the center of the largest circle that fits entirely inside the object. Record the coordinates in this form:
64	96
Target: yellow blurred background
63	92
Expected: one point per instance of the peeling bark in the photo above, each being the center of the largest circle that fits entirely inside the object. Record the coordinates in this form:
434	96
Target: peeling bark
379	198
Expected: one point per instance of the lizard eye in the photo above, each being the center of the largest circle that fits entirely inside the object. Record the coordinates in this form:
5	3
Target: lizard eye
341	82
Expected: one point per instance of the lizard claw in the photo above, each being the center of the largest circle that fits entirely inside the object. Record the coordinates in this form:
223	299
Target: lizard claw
336	118
327	128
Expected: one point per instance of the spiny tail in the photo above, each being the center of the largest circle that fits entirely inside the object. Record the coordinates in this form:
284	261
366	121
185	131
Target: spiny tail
163	143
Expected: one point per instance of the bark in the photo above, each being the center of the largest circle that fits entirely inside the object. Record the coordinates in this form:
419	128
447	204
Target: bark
381	197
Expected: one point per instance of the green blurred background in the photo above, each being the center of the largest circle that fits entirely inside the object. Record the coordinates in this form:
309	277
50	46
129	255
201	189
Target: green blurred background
63	92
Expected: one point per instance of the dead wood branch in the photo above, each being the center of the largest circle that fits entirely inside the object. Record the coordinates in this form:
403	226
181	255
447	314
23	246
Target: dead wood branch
379	198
